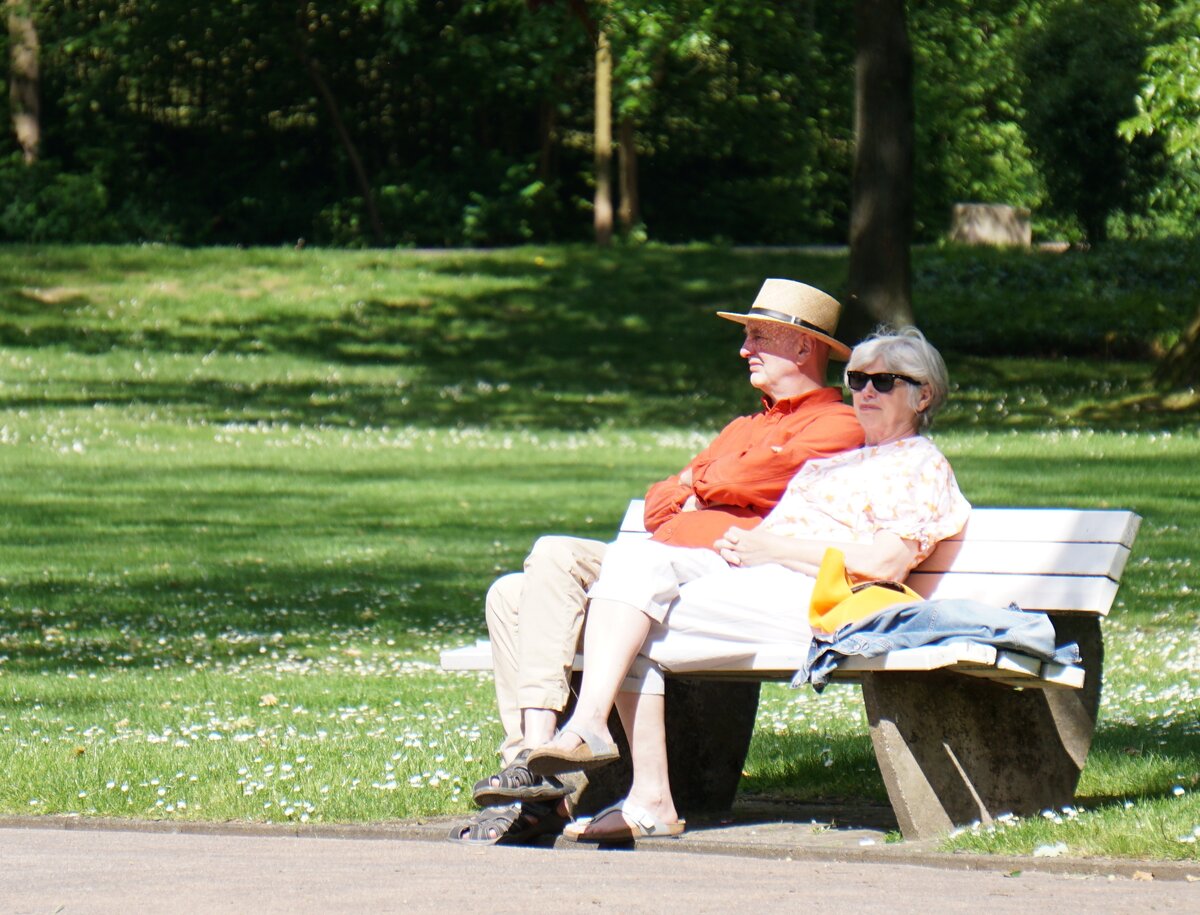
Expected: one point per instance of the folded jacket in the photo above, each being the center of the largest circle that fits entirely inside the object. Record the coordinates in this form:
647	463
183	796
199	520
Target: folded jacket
935	622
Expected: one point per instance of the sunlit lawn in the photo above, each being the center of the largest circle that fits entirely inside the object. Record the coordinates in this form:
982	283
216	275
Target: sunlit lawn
249	495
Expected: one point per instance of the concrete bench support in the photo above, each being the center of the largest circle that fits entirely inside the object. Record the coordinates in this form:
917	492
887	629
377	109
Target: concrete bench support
955	750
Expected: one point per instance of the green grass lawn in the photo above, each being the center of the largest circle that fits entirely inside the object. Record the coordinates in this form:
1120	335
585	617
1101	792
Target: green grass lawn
248	495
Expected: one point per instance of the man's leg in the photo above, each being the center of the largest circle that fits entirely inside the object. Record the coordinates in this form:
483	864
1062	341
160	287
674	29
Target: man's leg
558	573
534	620
502	611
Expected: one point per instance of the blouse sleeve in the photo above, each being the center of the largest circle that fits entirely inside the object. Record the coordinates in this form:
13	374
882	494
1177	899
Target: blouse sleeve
925	504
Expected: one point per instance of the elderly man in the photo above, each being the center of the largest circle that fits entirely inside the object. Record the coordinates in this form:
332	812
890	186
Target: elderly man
535	617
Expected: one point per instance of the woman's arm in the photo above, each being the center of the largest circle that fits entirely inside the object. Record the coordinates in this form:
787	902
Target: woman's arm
888	556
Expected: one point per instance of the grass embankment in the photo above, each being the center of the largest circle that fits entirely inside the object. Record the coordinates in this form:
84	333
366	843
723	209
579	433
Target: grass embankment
249	494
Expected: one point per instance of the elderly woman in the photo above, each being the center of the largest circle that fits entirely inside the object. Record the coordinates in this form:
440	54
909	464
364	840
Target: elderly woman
885	505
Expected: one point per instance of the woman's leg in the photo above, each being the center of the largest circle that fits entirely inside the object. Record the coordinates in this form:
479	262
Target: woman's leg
637	583
612	638
734	614
643	717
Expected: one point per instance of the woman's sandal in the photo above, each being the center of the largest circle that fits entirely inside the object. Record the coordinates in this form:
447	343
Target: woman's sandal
516	783
640	823
593	752
513	824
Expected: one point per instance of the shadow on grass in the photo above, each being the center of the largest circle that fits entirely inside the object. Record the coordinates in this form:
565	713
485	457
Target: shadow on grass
234	614
813	768
572	340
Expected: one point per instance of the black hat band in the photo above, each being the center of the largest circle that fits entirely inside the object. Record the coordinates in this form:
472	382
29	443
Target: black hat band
784	316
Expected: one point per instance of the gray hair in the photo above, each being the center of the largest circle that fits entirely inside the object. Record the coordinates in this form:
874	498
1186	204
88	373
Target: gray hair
907	352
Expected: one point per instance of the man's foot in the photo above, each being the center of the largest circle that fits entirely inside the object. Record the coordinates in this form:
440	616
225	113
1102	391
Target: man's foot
516	783
514	824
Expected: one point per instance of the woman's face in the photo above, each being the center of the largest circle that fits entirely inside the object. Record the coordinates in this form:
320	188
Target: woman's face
886	417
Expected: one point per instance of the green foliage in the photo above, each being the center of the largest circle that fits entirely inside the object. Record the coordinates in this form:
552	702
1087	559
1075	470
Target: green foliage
243	122
970	142
1129	301
44	203
1169	101
1082	67
1168	108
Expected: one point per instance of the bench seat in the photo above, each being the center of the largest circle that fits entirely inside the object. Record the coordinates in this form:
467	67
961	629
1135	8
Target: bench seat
968	658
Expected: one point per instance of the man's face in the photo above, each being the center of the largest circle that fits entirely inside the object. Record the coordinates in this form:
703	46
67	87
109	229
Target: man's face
772	351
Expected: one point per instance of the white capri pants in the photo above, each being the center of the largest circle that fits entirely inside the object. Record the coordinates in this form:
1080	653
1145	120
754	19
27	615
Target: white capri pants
705	613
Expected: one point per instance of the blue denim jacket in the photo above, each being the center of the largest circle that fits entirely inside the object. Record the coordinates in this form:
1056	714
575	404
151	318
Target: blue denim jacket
935	622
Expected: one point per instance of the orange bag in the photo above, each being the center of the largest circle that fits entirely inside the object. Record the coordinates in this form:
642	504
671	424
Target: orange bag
836	602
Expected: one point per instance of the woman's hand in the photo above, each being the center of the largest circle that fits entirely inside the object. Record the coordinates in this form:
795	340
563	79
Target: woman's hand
740	547
693	502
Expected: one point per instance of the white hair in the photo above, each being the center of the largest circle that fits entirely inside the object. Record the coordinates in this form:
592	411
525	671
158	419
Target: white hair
907	352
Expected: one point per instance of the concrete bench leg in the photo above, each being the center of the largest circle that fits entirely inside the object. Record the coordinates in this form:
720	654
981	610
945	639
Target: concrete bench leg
953	749
709	726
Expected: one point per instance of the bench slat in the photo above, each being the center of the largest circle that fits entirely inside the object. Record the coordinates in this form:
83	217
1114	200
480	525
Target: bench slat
1030	558
1012	525
969	658
1074	564
1019	665
1067	593
1061	525
469	657
927	657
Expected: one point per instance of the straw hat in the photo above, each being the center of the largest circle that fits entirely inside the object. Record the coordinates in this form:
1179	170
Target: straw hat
797	305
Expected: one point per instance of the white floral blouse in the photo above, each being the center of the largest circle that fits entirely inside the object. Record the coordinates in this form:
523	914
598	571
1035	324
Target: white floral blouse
906	487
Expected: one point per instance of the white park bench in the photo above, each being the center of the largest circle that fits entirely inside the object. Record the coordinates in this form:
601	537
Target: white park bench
962	732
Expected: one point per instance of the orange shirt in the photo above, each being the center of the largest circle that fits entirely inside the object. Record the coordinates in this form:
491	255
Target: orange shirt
743	472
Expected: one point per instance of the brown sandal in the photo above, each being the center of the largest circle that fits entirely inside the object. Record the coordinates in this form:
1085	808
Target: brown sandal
516	783
515	824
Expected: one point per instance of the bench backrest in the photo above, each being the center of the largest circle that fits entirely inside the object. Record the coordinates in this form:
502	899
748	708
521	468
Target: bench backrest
1052	559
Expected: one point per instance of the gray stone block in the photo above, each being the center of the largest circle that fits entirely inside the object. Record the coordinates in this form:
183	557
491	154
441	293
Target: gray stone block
990	224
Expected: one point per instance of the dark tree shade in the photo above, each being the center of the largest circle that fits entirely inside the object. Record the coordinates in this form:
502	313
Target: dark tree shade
1083	70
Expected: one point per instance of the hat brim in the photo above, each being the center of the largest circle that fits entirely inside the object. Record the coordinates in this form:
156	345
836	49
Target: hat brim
837	349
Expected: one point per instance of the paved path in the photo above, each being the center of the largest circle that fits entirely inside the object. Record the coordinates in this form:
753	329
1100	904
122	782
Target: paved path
52	869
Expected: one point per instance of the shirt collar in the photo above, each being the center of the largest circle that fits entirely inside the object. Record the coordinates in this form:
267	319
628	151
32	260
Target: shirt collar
792	404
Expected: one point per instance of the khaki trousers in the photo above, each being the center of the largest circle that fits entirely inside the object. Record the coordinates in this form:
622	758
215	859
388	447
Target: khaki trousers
534	619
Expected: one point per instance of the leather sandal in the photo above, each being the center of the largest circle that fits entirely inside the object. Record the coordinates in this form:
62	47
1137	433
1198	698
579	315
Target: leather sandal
638	823
516	783
593	752
512	824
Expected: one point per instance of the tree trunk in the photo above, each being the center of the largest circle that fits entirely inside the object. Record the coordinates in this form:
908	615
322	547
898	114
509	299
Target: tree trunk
881	208
356	163
628	212
1180	367
548	130
23	78
603	206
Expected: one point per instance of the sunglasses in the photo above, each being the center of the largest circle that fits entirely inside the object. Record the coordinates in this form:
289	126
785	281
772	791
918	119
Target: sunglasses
883	381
